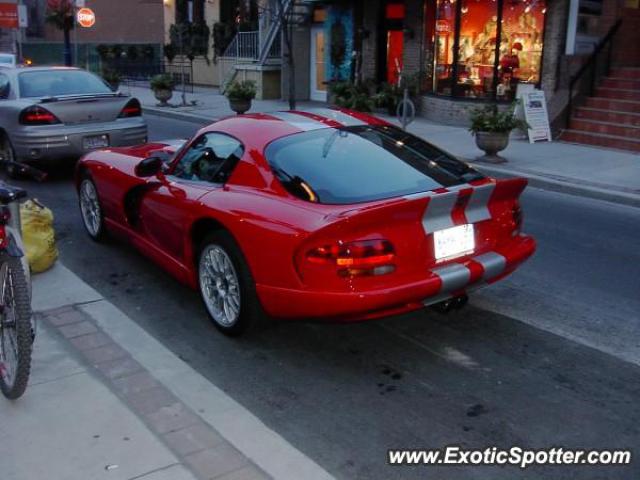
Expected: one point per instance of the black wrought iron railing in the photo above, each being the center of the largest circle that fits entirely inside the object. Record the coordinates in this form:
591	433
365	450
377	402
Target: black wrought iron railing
583	83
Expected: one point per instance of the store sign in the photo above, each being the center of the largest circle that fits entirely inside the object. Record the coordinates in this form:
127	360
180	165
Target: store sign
86	18
535	113
442	26
9	15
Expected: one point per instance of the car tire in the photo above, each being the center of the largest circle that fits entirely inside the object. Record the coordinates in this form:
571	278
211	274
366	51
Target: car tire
226	285
91	209
7	155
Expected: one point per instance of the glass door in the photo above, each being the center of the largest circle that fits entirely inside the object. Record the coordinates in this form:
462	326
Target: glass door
318	76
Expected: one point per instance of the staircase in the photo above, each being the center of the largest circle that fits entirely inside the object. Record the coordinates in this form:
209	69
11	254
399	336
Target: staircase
611	117
262	49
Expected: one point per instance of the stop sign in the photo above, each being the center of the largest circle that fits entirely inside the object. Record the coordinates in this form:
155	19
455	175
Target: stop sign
86	18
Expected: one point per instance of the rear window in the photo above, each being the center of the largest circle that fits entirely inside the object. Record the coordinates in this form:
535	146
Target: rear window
361	164
46	83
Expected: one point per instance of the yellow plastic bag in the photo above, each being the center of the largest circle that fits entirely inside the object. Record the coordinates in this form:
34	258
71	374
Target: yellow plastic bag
38	235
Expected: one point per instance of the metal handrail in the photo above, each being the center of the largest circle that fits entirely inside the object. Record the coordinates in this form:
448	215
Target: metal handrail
590	64
274	30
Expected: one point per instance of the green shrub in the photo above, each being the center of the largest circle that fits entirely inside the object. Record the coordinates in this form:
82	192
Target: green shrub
353	97
163	81
243	90
491	119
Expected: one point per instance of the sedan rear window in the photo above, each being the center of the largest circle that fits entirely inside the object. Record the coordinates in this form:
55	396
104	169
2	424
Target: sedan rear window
52	83
361	164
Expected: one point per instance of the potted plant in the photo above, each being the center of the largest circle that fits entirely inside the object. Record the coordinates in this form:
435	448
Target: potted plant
112	78
492	127
240	95
162	86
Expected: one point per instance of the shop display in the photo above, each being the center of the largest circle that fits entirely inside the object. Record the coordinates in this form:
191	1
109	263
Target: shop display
518	43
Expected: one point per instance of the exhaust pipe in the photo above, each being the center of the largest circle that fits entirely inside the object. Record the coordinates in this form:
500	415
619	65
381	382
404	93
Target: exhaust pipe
452	303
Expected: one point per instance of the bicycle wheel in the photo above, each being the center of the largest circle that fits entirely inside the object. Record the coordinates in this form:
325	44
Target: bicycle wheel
15	328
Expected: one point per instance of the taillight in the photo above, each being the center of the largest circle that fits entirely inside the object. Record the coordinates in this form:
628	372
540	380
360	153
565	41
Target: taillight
131	109
36	115
363	257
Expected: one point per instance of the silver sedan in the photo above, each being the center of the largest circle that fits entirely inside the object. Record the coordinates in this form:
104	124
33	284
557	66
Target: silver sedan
56	113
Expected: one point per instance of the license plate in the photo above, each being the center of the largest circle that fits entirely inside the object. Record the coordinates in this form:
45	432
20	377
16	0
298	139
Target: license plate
453	242
95	141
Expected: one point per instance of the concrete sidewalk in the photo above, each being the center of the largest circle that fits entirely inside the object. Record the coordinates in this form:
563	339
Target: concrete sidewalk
108	401
581	170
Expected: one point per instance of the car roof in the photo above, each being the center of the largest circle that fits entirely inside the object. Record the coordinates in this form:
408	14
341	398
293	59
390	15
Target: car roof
259	129
28	68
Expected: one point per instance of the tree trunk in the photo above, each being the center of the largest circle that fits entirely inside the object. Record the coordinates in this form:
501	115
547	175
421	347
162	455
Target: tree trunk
67	48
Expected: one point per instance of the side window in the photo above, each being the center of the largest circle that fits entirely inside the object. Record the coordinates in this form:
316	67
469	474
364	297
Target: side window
5	86
210	158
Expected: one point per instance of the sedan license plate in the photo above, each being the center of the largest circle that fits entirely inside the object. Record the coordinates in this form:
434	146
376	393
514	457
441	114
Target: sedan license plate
95	141
453	242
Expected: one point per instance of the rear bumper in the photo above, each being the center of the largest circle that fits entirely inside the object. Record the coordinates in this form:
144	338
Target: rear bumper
439	284
56	142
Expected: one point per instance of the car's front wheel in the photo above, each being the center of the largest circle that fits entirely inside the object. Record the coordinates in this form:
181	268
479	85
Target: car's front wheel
91	209
226	285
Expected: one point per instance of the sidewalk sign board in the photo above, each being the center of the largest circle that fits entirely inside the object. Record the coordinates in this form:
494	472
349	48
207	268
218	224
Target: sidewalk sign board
535	113
9	15
521	89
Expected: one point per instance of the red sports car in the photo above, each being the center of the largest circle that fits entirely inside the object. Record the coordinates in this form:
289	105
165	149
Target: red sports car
320	213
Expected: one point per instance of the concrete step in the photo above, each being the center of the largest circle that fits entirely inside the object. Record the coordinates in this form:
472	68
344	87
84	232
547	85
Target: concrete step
613	104
606	115
618	93
608	128
600	140
626	72
621	82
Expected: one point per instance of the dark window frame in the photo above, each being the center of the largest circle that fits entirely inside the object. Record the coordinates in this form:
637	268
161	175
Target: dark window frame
224	171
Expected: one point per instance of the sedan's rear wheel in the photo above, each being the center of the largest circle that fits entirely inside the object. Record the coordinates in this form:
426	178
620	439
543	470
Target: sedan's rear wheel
226	285
91	209
7	156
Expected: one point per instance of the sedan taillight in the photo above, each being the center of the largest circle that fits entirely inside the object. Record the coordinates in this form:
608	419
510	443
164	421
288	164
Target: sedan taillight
36	115
363	257
131	109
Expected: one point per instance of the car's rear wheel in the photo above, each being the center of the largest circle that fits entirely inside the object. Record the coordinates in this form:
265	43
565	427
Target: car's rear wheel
226	285
91	210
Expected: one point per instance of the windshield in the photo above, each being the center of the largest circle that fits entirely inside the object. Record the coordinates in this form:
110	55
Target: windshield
52	83
360	164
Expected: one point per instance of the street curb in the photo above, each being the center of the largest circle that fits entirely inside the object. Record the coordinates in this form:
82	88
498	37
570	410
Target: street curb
562	185
552	183
269	451
186	117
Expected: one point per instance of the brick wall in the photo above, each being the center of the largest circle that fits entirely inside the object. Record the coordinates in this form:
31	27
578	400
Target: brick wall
370	19
626	50
414	33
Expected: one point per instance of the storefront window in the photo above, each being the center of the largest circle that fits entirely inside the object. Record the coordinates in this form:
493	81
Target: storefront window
521	45
477	50
488	50
443	44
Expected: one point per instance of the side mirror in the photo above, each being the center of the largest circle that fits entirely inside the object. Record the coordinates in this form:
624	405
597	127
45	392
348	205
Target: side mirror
149	167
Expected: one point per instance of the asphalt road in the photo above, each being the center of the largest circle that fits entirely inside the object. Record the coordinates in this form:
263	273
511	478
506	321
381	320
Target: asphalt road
550	357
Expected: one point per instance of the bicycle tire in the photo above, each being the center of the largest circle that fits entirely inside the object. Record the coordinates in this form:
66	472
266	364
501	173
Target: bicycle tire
24	338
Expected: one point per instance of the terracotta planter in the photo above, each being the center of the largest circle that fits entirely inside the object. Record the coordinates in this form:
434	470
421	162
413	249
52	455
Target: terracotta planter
240	105
163	95
492	143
